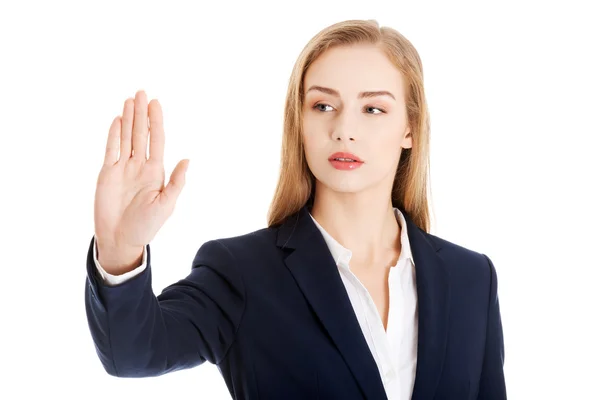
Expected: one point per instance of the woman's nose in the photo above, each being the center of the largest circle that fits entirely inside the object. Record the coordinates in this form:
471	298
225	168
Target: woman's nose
345	128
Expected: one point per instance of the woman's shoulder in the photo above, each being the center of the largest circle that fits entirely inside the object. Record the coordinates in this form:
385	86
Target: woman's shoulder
228	251
259	240
458	256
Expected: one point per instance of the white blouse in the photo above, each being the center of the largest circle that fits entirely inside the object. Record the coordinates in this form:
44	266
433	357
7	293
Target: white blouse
394	351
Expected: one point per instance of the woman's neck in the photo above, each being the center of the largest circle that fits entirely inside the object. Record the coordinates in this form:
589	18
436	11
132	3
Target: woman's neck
365	224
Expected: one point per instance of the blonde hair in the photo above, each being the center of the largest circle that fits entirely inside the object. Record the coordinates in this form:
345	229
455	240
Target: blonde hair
295	187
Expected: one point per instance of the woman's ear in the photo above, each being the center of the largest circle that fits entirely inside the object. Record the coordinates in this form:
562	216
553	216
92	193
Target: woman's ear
407	140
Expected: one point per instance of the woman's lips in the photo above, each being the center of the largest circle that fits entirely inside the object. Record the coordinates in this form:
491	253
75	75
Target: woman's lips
345	161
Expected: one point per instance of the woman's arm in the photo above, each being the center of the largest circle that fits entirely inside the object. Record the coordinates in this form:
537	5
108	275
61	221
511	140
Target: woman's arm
138	334
492	384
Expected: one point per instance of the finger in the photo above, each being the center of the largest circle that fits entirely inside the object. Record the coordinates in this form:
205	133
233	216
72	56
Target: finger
157	131
140	126
126	126
112	143
171	192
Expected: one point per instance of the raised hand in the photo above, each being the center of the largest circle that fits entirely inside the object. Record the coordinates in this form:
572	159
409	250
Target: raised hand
131	202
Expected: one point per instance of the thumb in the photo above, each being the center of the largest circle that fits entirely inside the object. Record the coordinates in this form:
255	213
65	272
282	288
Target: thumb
176	182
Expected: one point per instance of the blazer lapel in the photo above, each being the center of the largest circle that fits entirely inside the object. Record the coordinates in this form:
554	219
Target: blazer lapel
314	270
433	305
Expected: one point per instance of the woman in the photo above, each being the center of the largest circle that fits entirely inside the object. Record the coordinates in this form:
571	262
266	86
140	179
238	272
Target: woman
345	295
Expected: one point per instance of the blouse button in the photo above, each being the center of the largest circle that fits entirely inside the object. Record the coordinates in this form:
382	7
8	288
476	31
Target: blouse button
389	375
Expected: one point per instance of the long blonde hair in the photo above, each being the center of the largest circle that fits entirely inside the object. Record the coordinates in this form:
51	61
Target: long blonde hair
296	186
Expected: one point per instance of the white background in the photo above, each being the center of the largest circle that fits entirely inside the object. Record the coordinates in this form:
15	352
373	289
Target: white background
513	91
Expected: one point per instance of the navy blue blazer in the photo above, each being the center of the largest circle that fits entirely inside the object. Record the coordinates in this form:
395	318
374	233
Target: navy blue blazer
270	310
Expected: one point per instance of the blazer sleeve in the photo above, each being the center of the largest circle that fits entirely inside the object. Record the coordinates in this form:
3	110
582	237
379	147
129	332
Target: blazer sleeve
492	384
138	334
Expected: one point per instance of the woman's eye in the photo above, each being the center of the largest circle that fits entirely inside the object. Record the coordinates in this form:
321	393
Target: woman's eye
369	109
321	106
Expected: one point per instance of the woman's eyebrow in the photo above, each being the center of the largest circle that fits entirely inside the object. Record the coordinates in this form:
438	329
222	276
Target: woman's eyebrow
361	95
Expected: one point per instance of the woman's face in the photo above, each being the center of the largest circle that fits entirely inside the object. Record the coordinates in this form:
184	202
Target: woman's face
354	103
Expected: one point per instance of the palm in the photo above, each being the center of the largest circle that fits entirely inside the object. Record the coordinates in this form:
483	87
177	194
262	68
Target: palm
132	202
